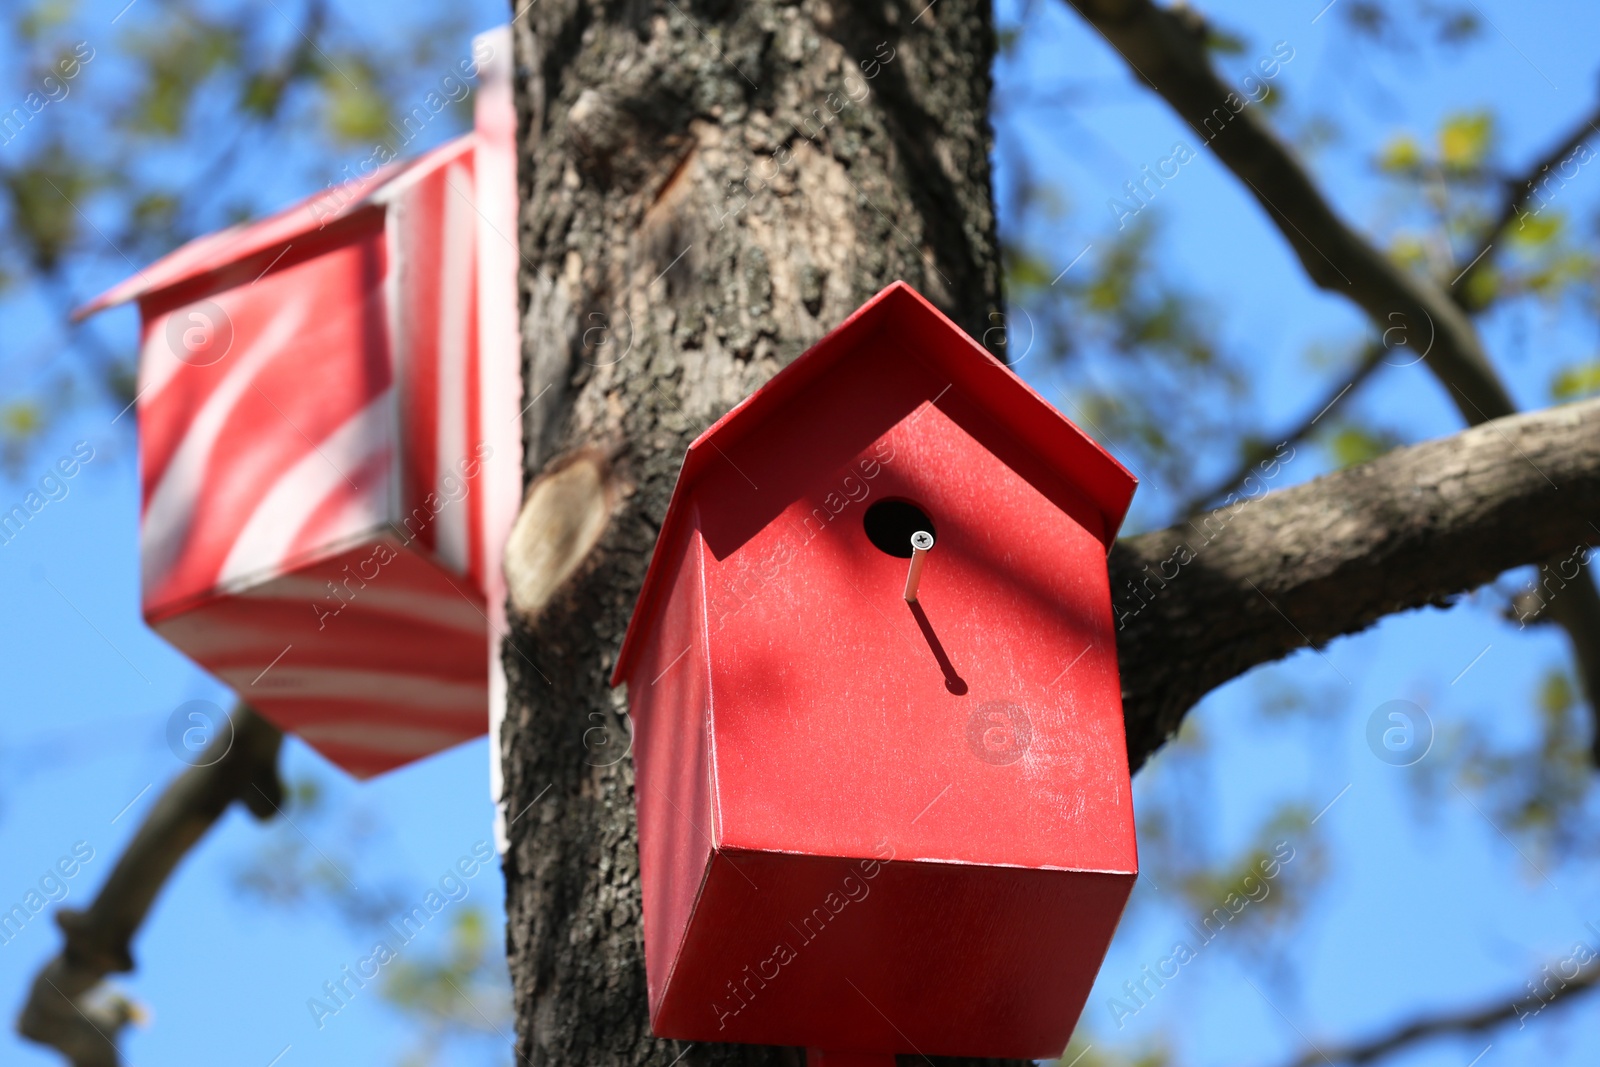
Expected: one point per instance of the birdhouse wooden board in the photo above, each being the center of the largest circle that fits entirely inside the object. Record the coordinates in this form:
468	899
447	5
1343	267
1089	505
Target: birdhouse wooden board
870	822
330	454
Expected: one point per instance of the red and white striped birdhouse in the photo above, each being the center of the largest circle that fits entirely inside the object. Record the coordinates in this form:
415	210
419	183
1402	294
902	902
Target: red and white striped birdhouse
883	790
330	450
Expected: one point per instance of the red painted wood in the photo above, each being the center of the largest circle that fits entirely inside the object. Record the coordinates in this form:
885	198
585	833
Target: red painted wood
373	656
329	453
1034	435
865	824
670	732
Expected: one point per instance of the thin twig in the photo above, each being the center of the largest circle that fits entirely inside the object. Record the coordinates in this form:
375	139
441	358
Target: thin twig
59	1011
1518	193
1491	1014
1371	360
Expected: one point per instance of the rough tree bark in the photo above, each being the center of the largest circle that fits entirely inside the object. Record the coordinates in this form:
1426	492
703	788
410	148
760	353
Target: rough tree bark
707	188
1207	599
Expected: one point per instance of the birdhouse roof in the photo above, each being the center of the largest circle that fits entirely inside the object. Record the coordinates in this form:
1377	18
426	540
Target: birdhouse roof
968	367
249	249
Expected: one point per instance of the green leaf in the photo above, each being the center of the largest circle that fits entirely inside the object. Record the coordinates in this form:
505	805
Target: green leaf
1025	270
1276	96
1366	18
21	420
355	111
1225	43
175	63
1537	227
1459	27
1559	272
1409	251
1576	381
1402	155
121	381
1556	696
262	94
1465	139
155	210
1351	445
305	794
46	198
1484	285
45	16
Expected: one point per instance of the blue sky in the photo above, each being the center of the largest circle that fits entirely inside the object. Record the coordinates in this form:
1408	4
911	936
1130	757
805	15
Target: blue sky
1422	902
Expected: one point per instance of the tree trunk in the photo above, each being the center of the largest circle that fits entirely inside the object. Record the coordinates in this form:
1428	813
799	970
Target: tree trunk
706	189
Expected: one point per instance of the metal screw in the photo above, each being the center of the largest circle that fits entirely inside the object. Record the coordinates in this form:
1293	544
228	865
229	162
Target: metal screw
921	542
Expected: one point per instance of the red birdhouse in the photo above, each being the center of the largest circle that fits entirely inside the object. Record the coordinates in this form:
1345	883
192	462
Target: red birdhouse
879	819
330	450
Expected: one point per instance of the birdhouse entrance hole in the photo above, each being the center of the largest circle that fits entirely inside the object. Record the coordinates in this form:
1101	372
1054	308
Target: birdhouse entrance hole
890	523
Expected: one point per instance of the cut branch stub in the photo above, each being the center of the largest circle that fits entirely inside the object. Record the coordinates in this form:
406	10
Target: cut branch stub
561	520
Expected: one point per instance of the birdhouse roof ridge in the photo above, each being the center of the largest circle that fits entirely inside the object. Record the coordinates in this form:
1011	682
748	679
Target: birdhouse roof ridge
991	384
316	219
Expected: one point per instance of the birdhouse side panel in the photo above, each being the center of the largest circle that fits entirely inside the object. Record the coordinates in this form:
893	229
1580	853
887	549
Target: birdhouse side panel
266	424
669	705
432	302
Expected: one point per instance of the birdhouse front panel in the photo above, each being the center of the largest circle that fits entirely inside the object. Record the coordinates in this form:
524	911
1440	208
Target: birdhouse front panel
265	417
934	770
996	691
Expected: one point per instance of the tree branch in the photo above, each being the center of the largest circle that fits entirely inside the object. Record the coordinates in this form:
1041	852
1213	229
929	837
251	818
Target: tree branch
1166	48
1204	601
1488	1016
98	938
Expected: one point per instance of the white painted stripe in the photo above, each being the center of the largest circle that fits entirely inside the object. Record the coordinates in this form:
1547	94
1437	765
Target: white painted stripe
395	264
454	289
390	740
400	692
243	585
172	504
499	494
204	640
201	638
383	595
157	363
268	535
